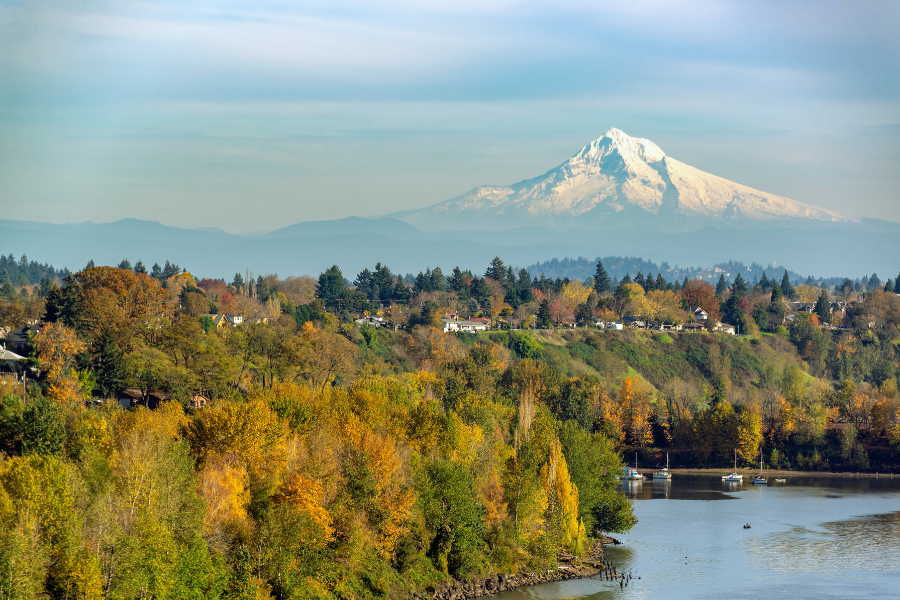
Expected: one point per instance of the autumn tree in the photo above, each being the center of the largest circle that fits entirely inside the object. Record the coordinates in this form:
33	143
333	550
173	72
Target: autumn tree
697	292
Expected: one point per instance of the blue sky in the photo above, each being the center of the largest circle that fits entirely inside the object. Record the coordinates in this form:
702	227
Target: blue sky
252	115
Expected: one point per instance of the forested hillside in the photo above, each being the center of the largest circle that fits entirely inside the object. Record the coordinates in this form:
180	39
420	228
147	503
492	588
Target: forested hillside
301	454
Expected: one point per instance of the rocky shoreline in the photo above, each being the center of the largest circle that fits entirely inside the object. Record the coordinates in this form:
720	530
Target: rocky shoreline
568	567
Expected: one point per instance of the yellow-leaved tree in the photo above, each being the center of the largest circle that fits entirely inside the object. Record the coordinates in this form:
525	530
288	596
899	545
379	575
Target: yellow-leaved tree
749	433
562	506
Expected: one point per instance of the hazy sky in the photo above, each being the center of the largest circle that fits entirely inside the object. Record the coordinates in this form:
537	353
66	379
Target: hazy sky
252	115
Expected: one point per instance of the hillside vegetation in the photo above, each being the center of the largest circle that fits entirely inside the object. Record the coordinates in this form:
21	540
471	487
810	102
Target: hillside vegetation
301	455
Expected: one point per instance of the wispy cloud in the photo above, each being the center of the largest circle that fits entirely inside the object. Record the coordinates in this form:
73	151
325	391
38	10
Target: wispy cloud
396	103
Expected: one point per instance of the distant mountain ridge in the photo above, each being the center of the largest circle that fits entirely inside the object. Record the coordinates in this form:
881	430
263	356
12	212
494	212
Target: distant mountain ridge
617	180
833	249
618	196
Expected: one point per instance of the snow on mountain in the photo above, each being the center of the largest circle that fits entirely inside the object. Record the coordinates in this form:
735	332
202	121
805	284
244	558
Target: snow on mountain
616	180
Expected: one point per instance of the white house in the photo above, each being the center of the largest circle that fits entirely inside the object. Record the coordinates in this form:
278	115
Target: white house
471	326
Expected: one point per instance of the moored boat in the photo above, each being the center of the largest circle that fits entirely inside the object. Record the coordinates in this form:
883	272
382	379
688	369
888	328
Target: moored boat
760	480
734	476
663	474
629	474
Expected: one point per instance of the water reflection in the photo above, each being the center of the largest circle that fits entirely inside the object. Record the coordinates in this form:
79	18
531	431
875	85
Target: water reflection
869	543
812	537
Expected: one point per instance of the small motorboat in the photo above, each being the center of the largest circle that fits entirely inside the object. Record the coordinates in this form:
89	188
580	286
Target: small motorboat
760	480
734	476
663	474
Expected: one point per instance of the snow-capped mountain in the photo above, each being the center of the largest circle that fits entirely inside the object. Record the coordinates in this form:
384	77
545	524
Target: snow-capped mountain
616	180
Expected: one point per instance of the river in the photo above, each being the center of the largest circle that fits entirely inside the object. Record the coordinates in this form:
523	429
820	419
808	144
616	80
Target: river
812	537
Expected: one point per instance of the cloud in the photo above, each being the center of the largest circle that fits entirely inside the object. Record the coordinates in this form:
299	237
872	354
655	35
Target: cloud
176	102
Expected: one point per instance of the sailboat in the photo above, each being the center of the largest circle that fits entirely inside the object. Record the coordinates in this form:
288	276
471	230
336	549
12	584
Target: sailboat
734	475
631	474
760	480
664	472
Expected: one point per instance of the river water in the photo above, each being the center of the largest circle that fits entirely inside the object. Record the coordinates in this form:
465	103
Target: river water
812	537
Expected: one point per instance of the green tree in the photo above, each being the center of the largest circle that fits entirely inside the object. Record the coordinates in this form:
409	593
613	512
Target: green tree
823	307
613	513
454	518
497	270
787	290
739	288
43	430
456	281
721	286
139	268
593	465
331	286
543	315
108	366
601	280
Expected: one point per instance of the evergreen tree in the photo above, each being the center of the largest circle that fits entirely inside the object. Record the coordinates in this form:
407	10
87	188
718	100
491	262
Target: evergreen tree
43	428
661	283
365	283
480	290
764	283
456	281
787	290
739	288
524	289
437	280
383	281
777	295
170	270
90	264
639	279
601	280
401	292
109	366
6	288
897	284
626	279
889	286
874	282
125	265
139	268
822	308
721	286
543	315
846	287
649	283
497	270
510	282
238	281
330	287
156	271
262	289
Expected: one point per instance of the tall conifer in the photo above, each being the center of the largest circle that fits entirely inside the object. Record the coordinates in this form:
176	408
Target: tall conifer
601	279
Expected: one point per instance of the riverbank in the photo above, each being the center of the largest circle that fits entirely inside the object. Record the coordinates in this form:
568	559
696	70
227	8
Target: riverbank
568	567
749	471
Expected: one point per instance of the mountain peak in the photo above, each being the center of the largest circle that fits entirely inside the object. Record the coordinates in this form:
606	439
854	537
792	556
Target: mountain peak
617	180
630	148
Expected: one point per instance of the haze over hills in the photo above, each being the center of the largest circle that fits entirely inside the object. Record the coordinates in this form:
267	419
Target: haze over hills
615	181
618	196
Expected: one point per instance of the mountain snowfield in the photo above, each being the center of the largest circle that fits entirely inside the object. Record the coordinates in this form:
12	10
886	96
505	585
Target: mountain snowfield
616	180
